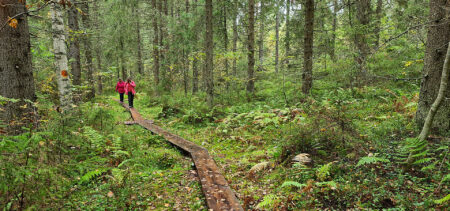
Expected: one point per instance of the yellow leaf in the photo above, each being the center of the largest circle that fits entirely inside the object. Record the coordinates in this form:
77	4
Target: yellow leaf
13	22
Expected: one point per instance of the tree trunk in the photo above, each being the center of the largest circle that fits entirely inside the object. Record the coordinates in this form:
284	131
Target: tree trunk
88	48
235	37
288	37
99	71
15	67
261	37
74	49
333	35
277	37
438	37
225	40
437	103
122	62
378	13
140	66
186	59
363	12
308	49
98	49
155	46
59	48
209	45
251	47
195	60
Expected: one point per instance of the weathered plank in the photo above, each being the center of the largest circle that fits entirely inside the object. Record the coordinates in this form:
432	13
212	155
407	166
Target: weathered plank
218	194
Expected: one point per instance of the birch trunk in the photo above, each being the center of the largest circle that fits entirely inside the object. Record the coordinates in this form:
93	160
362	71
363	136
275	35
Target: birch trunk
438	37
60	51
441	93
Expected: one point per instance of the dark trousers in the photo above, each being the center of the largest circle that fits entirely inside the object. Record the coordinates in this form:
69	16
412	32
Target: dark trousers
130	99
121	97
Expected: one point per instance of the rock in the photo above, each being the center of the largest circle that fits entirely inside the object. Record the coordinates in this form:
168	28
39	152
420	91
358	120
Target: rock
302	158
259	167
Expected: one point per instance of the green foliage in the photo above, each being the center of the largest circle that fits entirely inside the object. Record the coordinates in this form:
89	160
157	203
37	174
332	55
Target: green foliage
91	175
269	201
293	183
371	160
443	200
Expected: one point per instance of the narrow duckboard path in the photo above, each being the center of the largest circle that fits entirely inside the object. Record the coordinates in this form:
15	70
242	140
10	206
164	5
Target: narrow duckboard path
218	194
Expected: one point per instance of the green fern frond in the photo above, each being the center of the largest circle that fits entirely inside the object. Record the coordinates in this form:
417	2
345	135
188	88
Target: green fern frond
422	161
441	201
293	183
88	177
267	202
371	160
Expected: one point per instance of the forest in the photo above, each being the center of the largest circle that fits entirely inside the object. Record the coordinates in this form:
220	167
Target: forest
224	104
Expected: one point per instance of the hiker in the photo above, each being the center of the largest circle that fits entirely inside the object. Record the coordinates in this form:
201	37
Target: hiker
129	88
120	88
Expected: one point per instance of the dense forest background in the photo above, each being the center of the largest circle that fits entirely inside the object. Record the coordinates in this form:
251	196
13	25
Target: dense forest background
304	104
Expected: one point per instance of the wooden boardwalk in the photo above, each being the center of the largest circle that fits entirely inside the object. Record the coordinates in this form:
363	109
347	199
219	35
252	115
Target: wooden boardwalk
218	194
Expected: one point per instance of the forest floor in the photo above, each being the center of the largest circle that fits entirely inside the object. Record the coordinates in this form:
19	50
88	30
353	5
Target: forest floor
354	137
358	140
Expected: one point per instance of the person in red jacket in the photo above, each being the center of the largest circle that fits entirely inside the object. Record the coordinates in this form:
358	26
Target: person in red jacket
129	88
120	88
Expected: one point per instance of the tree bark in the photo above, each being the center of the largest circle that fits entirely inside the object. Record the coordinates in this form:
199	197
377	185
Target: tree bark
209	45
74	49
155	46
122	62
277	37
378	13
363	11
88	47
261	37
287	35
98	49
195	60
438	37
251	47
308	49
16	71
333	35
59	48
235	37
441	93
140	66
225	40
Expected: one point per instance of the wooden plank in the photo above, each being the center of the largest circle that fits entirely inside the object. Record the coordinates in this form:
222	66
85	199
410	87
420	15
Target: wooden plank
218	194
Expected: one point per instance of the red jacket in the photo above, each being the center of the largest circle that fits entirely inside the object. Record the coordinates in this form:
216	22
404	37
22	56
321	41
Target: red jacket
120	87
129	87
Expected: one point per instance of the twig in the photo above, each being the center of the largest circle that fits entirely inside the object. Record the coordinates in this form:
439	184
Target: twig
23	13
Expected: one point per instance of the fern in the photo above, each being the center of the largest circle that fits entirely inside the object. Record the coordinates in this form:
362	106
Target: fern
441	201
88	177
417	152
293	183
324	171
96	139
371	160
268	201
